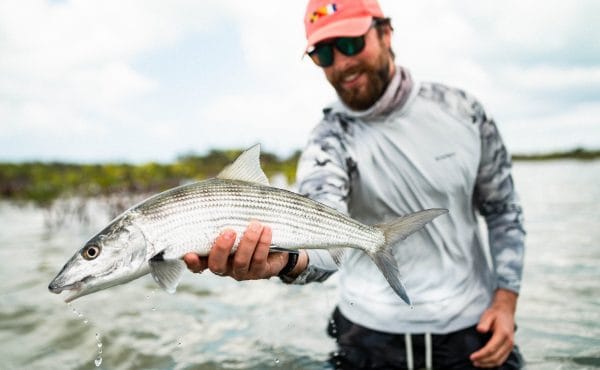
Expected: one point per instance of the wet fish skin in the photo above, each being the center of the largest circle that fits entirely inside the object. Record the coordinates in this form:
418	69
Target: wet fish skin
154	235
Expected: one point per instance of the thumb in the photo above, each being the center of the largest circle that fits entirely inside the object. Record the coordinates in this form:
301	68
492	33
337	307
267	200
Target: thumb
485	323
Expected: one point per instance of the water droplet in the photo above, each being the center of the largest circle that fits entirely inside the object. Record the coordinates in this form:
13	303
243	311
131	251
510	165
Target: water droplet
80	315
99	344
98	361
100	351
153	308
277	361
147	297
85	321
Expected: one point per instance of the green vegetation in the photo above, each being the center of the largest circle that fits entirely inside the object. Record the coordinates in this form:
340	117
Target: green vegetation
579	153
44	182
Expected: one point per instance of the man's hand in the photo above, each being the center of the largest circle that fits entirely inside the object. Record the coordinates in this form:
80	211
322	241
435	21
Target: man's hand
500	320
250	261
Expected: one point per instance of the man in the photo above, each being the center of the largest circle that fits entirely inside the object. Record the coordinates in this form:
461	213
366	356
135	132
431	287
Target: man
392	146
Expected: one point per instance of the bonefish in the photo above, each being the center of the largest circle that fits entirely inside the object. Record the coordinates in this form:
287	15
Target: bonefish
152	236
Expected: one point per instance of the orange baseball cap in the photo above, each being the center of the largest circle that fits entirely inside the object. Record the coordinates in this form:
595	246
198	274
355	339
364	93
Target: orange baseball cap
326	19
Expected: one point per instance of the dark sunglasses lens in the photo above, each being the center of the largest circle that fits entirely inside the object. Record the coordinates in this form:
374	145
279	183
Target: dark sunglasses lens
322	55
350	45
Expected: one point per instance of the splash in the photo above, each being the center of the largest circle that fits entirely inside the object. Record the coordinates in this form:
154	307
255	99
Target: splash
81	316
98	360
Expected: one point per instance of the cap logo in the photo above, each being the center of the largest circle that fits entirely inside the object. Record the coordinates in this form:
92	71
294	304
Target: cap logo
323	12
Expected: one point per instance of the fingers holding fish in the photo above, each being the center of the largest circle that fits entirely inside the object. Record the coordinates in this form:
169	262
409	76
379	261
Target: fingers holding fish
265	264
252	259
219	254
243	256
195	263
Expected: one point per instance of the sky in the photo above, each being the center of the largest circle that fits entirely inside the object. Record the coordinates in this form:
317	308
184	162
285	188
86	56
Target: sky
148	80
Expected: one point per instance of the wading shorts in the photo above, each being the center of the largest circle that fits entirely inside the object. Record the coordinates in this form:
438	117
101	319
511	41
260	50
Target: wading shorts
362	348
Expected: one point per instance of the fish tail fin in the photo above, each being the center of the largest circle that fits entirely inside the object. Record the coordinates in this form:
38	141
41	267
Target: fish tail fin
394	231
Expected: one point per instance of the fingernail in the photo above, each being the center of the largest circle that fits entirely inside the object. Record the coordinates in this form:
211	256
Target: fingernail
254	226
228	234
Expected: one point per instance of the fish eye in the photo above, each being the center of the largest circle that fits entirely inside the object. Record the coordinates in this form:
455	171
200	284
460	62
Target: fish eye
90	252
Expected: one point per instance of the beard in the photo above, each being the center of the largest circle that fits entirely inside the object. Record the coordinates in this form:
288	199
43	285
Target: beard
378	77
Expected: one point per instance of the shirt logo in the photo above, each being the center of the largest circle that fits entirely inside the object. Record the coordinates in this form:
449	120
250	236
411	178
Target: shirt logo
323	12
444	156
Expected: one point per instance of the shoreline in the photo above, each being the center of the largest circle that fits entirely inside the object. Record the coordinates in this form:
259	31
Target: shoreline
44	182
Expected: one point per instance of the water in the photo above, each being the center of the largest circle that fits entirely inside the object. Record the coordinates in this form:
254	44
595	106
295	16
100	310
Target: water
217	323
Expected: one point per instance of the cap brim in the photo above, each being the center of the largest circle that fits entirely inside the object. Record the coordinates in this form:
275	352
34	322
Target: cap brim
343	28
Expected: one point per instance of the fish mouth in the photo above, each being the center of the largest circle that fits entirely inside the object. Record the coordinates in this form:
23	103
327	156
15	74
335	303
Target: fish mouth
76	289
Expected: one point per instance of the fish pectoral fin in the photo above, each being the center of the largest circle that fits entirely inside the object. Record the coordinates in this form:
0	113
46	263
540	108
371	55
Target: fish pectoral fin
246	168
167	273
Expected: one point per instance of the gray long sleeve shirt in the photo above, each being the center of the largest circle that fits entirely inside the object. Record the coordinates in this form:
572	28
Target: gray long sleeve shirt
422	145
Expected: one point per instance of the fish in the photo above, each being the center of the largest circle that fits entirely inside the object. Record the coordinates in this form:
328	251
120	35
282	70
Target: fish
154	235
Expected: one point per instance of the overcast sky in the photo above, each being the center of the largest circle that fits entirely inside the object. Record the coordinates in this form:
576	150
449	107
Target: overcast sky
108	80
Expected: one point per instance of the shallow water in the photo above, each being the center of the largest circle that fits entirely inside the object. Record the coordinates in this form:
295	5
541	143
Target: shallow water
216	323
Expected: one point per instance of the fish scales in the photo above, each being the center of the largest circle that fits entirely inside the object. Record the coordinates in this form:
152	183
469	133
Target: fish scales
225	197
216	204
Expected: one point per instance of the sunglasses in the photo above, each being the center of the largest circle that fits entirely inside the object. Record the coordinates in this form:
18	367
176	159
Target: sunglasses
322	53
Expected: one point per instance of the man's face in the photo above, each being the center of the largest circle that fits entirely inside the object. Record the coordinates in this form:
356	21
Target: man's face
360	80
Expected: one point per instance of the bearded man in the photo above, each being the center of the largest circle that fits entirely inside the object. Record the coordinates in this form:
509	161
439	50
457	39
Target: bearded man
392	145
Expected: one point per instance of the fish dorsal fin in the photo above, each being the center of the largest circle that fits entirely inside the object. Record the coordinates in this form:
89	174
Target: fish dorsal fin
246	167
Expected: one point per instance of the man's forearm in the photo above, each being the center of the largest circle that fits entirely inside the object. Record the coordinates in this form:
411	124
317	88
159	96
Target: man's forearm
505	299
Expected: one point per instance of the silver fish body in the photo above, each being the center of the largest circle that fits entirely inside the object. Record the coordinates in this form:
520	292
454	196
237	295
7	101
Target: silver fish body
189	218
154	235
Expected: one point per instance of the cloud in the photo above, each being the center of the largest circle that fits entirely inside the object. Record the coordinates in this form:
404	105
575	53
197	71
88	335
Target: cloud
281	123
574	127
67	67
95	80
544	78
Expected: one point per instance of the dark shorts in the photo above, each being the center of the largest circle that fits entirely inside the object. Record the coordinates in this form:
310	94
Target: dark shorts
362	348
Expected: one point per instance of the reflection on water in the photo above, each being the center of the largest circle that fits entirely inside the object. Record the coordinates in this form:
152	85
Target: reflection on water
216	323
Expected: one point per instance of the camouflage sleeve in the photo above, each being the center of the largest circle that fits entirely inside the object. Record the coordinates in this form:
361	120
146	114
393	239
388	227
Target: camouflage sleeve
498	203
322	175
